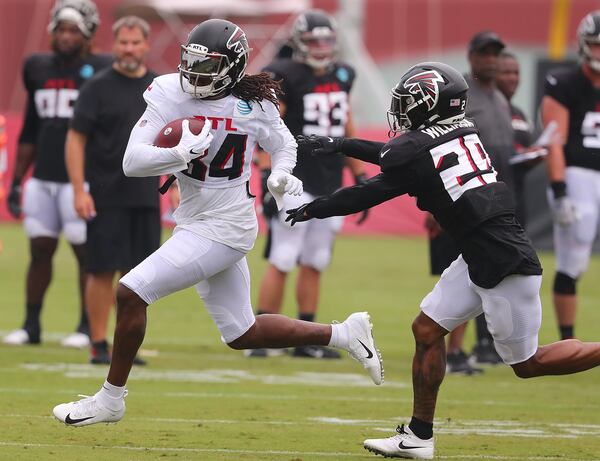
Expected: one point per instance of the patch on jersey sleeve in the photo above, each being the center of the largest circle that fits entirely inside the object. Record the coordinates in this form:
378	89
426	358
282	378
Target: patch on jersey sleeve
244	107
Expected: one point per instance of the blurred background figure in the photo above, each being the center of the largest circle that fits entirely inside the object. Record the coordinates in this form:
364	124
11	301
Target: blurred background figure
316	100
122	214
52	82
490	111
507	81
571	101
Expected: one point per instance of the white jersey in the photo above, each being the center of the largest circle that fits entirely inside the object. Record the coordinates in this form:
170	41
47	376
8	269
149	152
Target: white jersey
215	201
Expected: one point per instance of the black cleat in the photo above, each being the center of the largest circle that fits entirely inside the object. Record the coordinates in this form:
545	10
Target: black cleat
457	363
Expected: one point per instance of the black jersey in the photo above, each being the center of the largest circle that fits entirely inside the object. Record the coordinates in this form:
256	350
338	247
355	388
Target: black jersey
315	104
52	86
449	172
573	89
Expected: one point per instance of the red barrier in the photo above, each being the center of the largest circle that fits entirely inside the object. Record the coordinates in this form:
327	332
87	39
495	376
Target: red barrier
398	216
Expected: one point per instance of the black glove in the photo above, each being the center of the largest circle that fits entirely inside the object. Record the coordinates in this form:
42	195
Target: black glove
318	145
14	199
269	205
297	214
361	179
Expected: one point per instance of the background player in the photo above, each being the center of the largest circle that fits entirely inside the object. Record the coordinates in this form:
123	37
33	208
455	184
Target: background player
216	220
571	101
440	160
315	100
52	82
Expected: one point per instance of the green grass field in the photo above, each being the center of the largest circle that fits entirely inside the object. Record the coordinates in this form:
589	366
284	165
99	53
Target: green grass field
198	400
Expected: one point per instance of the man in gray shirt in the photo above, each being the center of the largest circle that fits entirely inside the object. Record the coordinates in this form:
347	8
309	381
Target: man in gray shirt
490	110
487	106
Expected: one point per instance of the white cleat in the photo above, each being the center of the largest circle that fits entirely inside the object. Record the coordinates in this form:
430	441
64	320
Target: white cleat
76	340
16	338
404	444
361	344
87	411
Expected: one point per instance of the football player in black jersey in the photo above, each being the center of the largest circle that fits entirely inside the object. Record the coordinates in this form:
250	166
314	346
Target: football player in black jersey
52	81
316	89
440	160
572	102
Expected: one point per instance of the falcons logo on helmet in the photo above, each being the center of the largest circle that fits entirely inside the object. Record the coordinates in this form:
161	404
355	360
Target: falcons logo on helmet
426	85
238	41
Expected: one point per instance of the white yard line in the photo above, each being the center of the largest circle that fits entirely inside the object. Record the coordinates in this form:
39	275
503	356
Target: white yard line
336	455
493	428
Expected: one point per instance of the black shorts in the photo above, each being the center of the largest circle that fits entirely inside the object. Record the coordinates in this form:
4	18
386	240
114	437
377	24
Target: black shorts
118	239
442	252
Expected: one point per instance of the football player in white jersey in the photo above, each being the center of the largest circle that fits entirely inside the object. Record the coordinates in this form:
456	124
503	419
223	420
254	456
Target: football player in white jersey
216	221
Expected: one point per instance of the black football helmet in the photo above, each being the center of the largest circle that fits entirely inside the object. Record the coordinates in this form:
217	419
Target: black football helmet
314	39
428	93
213	59
588	33
81	12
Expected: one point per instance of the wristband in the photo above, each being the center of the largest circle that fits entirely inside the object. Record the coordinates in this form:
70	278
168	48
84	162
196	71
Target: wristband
559	188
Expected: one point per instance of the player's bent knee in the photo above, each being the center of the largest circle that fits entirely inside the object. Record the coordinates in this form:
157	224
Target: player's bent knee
126	297
426	331
245	341
525	369
564	284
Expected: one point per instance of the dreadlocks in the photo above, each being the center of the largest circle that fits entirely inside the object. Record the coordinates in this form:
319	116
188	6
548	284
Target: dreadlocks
258	87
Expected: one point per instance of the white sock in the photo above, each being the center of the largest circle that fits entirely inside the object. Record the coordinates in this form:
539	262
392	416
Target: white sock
339	336
111	396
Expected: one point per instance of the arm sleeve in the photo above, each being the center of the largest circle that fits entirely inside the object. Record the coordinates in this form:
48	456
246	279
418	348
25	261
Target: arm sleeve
353	199
277	140
85	112
31	121
141	157
367	151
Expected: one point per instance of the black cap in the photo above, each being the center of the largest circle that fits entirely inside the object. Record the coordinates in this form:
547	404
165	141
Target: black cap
483	39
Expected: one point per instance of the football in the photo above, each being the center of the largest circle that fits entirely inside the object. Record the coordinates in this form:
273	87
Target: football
170	134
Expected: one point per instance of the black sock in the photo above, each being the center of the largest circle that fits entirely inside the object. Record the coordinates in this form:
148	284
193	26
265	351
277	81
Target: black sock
306	317
100	346
566	332
421	429
84	326
32	322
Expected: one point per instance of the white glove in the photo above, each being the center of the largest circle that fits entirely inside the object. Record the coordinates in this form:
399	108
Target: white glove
565	211
193	145
279	183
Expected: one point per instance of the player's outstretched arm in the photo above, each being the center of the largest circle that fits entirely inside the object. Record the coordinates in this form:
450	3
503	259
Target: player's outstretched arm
361	149
349	200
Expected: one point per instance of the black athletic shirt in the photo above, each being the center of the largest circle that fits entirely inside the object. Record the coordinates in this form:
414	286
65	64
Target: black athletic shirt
52	86
448	171
573	89
315	105
108	107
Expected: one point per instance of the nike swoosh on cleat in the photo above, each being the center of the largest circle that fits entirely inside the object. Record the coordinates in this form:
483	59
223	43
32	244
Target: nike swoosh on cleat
68	419
369	353
404	447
